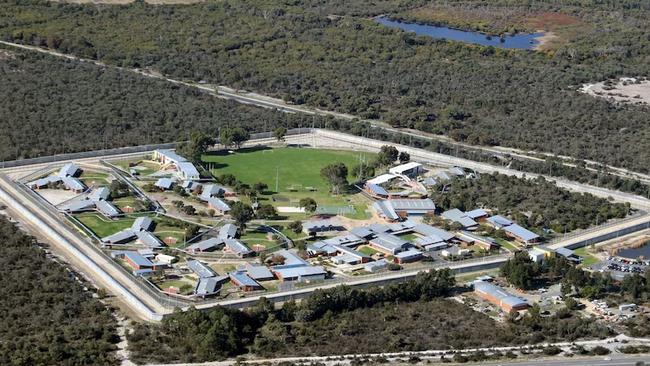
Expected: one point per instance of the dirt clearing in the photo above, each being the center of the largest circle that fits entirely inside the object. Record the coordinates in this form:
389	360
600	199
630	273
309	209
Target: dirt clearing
624	90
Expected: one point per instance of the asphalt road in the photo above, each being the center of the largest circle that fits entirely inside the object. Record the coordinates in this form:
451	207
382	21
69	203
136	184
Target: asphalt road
588	361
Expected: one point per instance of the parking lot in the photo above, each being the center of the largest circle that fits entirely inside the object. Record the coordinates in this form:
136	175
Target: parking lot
620	267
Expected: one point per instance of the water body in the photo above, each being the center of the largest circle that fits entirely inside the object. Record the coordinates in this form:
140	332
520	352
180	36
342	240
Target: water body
526	41
635	253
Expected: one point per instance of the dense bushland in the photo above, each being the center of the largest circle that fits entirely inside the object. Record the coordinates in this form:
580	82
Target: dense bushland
46	316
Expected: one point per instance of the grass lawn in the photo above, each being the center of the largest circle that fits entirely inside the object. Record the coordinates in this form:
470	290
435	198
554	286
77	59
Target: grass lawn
185	287
102	226
270	285
129	201
297	170
223	268
255	235
507	245
144	168
409	237
588	259
367	250
467	277
360	203
163	232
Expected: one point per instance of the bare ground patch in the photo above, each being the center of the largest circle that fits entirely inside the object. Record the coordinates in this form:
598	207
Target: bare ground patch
624	90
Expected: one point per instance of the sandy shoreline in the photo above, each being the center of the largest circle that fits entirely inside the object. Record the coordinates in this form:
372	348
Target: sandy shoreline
544	40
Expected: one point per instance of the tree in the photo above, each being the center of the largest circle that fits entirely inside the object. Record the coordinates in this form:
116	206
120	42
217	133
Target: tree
266	211
309	204
404	157
387	155
241	213
234	136
118	188
336	175
191	231
570	303
295	226
188	210
363	171
198	145
520	271
279	133
260	187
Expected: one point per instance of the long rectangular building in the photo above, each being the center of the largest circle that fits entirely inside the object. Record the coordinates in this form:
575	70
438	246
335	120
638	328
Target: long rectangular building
389	244
500	297
394	210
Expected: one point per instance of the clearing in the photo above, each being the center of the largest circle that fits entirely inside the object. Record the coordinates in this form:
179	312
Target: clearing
624	90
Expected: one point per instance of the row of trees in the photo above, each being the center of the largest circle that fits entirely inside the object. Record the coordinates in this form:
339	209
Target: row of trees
411	316
74	117
198	336
336	174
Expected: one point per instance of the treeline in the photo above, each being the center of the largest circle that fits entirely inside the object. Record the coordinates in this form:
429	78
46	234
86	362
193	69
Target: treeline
550	165
195	336
412	316
537	204
50	106
47	317
478	95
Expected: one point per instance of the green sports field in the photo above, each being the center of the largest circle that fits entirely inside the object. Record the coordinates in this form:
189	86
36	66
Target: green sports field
295	167
297	171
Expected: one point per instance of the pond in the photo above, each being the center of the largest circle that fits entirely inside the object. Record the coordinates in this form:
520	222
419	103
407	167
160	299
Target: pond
636	253
526	41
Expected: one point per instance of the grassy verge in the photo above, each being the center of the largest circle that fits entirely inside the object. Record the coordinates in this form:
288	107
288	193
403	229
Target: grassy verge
588	258
507	245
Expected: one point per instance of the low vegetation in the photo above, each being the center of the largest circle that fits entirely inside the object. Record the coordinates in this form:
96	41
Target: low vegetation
195	336
47	317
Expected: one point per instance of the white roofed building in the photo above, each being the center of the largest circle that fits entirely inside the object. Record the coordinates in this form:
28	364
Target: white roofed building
410	170
185	169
